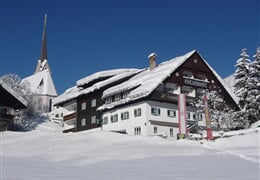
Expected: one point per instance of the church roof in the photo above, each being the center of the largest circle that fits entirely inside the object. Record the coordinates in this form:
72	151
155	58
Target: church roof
41	83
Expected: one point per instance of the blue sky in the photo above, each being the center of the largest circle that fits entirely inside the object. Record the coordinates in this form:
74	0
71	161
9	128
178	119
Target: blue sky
86	36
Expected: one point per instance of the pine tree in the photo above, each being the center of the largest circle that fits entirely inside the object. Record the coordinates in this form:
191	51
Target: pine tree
241	87
253	95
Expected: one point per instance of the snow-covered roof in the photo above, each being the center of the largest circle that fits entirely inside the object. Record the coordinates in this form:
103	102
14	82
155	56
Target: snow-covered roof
98	75
144	83
41	83
112	76
69	94
147	81
13	93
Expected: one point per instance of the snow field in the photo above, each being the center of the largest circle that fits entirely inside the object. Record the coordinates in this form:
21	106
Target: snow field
46	153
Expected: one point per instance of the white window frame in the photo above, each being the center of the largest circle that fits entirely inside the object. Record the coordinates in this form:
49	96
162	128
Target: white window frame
114	118
171	113
171	132
93	102
137	131
155	130
93	120
125	115
155	111
138	112
83	106
83	122
105	120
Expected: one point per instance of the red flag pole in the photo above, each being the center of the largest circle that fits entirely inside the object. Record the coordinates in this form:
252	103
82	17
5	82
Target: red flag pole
207	117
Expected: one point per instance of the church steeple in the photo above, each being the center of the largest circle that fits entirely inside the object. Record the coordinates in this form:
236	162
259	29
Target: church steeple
44	41
42	62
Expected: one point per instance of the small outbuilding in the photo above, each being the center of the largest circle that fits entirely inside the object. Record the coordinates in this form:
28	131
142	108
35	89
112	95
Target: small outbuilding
9	102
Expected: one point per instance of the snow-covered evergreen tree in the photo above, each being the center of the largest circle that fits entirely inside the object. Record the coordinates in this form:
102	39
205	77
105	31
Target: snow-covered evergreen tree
220	113
241	87
253	94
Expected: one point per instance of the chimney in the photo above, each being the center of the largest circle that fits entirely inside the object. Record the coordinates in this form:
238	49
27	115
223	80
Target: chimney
152	60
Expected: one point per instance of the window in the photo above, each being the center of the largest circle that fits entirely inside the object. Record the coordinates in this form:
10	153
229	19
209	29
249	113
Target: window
188	90
194	116
199	116
105	120
202	77
171	132
155	111
188	115
125	94
117	97
137	131
114	118
155	130
172	88
108	100
187	74
137	112
93	119
125	115
83	106
171	113
83	122
93	103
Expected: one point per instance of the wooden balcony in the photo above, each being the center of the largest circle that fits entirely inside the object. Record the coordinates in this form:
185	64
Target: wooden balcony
169	97
70	116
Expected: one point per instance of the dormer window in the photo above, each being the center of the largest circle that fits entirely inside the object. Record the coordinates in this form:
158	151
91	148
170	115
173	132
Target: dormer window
125	95
117	97
187	74
108	100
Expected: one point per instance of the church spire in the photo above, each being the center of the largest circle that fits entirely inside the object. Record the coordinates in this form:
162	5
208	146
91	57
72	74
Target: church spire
44	41
43	63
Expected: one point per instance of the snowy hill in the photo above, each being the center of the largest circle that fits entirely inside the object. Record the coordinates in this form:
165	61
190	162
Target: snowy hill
46	153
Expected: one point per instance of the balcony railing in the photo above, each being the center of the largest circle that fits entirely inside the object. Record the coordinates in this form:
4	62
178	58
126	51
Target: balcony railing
70	116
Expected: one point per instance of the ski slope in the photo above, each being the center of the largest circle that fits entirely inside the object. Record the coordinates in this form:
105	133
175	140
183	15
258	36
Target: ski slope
46	153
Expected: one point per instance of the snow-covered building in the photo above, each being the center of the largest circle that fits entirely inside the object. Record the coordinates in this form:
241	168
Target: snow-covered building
41	82
77	106
147	103
10	101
